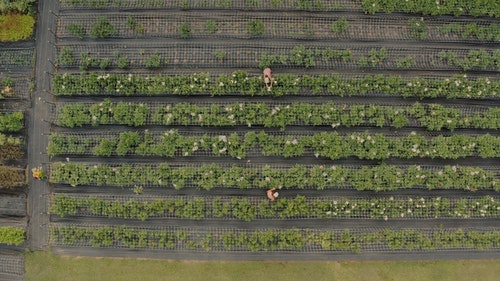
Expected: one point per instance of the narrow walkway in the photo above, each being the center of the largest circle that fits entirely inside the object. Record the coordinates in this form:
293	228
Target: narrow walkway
38	128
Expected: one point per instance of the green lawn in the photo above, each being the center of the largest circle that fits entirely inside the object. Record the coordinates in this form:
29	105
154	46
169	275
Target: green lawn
42	266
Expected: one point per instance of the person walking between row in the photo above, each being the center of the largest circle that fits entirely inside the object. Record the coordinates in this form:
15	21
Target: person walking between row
272	194
268	79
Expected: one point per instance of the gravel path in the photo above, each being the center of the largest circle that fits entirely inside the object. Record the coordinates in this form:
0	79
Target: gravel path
38	229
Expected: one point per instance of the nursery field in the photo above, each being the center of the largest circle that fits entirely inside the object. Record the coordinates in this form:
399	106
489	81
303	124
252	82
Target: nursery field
380	130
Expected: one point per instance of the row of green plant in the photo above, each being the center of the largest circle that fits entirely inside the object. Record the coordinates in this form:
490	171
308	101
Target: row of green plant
199	208
375	57
10	147
11	122
12	235
255	27
16	57
242	83
489	32
477	59
300	56
87	61
208	176
278	239
475	8
418	28
217	4
425	7
363	145
101	28
308	57
11	177
434	117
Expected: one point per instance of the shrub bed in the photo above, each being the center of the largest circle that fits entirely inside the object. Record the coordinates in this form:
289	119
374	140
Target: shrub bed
364	145
248	209
208	176
303	240
241	83
12	235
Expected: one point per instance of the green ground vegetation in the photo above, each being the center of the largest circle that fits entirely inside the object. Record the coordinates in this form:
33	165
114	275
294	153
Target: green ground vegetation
47	267
15	27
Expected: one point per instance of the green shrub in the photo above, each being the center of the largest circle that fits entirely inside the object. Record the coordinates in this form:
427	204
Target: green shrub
210	26
340	26
76	30
88	61
305	4
7	82
102	29
123	62
255	27
11	122
104	64
66	56
154	61
131	22
220	55
185	30
418	29
405	62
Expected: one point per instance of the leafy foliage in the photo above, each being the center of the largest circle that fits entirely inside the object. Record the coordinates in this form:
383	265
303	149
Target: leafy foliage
208	176
66	56
12	235
17	6
418	29
277	239
433	117
431	7
76	30
255	27
340	26
15	27
248	209
11	122
185	30
456	86
102	29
